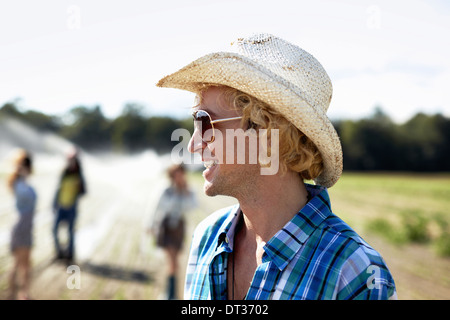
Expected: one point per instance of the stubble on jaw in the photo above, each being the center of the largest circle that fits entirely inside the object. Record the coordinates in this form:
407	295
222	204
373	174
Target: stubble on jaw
236	180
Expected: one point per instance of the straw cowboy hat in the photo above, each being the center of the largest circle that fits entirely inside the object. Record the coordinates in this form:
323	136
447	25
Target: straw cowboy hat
281	74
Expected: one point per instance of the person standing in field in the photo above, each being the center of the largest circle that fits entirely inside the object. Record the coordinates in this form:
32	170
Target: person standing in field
71	187
282	240
22	237
168	222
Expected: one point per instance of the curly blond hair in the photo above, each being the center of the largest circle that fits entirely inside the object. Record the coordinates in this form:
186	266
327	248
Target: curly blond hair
296	151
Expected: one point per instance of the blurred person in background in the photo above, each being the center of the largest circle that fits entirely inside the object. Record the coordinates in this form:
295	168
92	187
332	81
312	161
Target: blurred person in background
168	223
71	187
22	238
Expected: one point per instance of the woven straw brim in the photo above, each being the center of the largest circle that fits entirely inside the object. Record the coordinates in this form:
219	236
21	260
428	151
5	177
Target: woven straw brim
239	72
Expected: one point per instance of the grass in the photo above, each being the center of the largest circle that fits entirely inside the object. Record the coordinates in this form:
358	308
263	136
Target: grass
403	208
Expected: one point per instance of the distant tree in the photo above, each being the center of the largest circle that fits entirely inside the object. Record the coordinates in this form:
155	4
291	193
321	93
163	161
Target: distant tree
37	119
159	133
89	129
11	109
371	143
426	142
128	130
443	155
42	121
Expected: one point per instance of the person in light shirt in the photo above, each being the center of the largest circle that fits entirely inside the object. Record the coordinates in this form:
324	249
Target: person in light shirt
21	236
168	221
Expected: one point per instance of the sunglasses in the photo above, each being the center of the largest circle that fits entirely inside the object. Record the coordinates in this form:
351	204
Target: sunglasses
203	122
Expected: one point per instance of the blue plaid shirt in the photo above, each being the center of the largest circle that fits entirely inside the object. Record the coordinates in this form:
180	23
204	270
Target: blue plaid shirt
314	256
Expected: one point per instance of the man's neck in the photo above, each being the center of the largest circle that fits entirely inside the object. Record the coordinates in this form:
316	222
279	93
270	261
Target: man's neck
271	204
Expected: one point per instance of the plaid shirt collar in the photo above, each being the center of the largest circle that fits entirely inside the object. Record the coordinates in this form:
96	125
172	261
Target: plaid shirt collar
283	246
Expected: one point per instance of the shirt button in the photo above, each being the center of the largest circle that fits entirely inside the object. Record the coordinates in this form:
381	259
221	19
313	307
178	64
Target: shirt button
226	239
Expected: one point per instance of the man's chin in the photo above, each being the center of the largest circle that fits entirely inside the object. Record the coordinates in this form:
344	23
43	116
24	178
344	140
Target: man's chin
209	189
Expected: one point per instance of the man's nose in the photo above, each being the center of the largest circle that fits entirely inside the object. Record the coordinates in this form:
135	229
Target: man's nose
196	143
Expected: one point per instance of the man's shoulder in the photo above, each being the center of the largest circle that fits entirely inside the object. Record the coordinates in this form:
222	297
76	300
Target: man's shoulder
354	259
350	245
347	241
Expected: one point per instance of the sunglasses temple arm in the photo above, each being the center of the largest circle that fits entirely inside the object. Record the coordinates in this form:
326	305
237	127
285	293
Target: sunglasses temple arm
223	120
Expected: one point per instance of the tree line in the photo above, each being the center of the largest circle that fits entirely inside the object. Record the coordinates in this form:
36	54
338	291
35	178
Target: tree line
374	143
88	128
377	143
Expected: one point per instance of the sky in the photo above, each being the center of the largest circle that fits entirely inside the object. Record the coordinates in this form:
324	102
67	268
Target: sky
58	54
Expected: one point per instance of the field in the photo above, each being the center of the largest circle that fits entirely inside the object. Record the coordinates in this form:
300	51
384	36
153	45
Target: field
403	216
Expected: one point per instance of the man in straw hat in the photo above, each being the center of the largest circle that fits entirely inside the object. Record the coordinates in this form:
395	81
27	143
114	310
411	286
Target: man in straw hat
281	241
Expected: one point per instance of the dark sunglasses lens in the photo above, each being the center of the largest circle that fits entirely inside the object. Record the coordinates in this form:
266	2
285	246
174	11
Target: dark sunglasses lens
202	118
